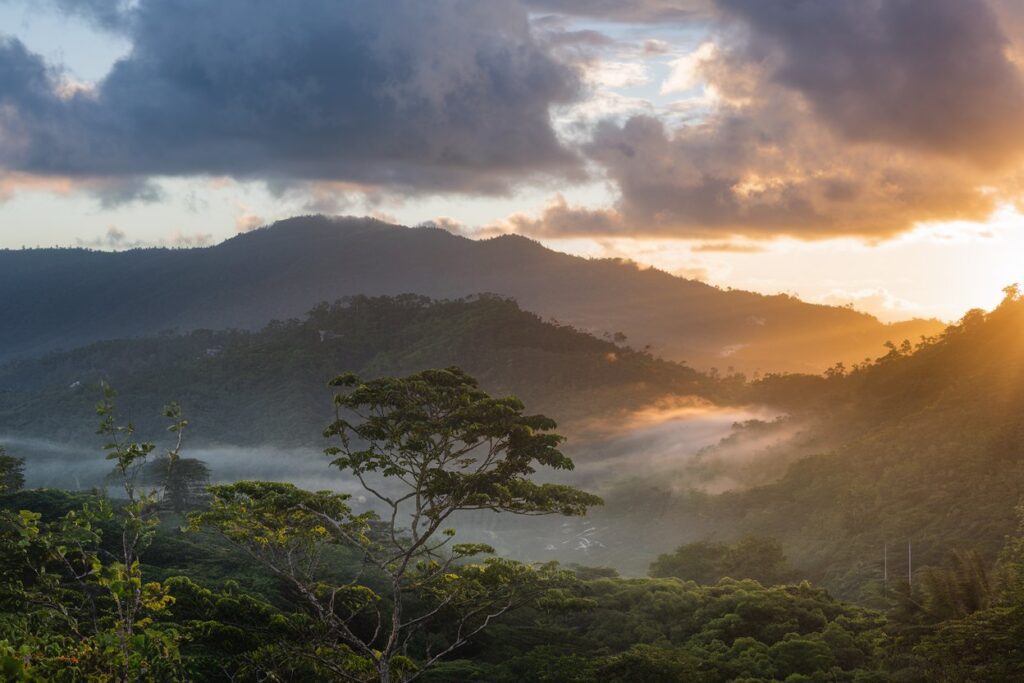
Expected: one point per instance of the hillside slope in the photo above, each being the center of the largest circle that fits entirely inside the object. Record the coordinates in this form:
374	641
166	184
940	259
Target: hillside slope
64	298
270	386
930	451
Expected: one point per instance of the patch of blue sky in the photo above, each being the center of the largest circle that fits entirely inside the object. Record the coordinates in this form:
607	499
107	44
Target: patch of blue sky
84	53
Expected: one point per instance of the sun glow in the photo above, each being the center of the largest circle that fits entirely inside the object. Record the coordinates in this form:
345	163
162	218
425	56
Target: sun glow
935	270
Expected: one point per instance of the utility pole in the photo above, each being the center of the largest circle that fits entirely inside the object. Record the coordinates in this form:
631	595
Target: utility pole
910	565
885	570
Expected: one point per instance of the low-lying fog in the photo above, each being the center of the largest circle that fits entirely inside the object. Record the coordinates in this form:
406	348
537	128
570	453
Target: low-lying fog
665	448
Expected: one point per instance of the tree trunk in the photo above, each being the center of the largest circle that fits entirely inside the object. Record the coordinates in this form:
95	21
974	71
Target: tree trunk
384	671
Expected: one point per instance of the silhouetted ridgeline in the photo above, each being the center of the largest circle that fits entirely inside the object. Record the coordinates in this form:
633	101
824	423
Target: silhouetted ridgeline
64	298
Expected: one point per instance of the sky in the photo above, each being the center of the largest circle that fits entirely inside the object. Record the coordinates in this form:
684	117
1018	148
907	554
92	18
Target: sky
846	151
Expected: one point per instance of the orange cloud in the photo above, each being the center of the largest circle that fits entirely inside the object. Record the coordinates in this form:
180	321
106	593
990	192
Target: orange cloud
13	182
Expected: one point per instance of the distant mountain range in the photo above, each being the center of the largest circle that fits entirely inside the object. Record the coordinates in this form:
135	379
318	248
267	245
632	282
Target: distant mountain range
63	298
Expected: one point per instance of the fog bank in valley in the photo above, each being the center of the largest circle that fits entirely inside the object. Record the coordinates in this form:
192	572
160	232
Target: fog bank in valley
671	447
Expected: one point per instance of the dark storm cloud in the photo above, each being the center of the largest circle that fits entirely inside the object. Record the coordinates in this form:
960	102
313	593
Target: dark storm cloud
107	14
928	74
25	80
846	117
757	173
445	95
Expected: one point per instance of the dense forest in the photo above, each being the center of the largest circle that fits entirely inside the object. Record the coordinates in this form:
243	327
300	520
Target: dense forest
266	581
901	449
917	448
921	446
798	569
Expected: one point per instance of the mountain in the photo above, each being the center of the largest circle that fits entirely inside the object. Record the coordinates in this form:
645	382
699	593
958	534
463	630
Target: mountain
270	386
63	298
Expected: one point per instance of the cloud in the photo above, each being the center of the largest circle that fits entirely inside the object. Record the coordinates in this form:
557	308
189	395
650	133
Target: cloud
746	173
728	247
247	219
447	224
878	301
116	239
808	119
653	46
111	192
181	240
561	220
925	74
840	118
119	191
12	184
692	273
639	11
452	95
685	71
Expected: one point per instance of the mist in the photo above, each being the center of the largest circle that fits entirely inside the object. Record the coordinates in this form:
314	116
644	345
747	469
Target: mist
663	441
666	441
675	446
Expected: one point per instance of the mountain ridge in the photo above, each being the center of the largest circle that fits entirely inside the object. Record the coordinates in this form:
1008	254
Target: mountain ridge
282	270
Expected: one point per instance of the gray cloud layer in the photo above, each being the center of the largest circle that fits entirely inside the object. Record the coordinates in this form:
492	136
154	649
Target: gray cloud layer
450	94
834	117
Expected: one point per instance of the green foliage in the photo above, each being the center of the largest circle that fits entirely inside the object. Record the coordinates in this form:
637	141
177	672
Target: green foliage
456	447
981	637
182	482
437	445
920	445
665	630
707	562
12	473
334	595
75	608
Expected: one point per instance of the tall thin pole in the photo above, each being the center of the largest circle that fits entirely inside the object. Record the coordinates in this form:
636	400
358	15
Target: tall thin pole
910	564
885	570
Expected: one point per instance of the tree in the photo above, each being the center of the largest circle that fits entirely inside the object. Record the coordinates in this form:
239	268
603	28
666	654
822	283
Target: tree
982	637
183	482
12	472
1012	293
706	562
956	592
425	447
700	561
78	602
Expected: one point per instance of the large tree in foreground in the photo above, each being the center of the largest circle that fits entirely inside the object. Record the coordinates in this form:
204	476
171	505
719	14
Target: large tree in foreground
426	447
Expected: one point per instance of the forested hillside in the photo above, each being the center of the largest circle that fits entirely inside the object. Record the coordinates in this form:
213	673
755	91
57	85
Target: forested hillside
269	387
923	446
264	580
920	446
65	298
